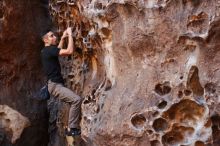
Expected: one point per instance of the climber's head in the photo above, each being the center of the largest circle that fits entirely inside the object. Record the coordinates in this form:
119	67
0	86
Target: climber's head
49	38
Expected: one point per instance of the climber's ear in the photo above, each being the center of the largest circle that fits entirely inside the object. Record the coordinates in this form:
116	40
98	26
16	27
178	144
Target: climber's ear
45	38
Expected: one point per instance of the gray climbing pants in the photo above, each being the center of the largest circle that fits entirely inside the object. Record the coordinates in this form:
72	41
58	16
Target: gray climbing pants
66	95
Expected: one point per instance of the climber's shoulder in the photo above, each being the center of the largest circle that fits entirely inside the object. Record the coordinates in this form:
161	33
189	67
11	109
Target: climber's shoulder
51	50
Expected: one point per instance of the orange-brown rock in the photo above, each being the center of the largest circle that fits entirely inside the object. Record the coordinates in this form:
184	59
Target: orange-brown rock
148	70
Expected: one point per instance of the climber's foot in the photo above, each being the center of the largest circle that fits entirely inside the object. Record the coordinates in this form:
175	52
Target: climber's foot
72	132
70	140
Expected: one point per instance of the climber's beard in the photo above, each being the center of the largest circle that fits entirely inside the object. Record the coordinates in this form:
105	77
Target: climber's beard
54	42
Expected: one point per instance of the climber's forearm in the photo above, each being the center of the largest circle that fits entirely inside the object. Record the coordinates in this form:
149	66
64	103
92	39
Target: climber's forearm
70	46
61	43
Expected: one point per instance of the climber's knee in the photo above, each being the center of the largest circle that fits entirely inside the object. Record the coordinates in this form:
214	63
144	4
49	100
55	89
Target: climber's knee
75	99
78	99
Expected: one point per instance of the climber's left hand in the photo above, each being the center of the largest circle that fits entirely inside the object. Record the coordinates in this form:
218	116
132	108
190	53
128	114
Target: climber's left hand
65	34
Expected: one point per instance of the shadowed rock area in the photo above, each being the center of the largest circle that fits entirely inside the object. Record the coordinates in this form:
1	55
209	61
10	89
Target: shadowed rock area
23	121
148	70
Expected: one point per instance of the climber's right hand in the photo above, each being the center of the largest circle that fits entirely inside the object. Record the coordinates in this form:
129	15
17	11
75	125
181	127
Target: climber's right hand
69	31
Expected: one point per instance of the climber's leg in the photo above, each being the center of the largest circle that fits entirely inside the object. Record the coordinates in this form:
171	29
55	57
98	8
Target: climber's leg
67	95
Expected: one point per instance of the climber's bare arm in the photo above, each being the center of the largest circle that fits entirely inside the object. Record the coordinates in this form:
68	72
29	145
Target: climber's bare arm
62	40
70	47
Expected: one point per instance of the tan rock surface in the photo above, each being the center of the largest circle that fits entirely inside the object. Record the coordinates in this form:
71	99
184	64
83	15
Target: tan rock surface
148	70
12	122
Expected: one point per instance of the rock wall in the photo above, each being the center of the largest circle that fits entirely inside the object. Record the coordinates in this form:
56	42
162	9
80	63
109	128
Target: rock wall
12	121
148	70
23	121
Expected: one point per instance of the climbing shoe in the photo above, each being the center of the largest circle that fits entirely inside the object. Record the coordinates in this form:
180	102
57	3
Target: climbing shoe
72	132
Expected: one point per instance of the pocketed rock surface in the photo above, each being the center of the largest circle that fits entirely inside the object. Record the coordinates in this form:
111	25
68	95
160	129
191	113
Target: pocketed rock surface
148	70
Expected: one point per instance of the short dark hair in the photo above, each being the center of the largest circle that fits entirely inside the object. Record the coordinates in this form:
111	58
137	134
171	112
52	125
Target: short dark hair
44	33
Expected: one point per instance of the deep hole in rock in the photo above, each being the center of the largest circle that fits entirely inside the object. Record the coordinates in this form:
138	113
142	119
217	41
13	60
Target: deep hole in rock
97	109
185	111
187	92
216	120
160	124
1	14
155	114
162	89
216	129
106	31
7	120
155	143
1	9
88	100
177	135
108	85
214	33
193	82
149	132
2	114
98	5
197	20
208	123
138	121
101	106
195	3
210	88
180	94
199	143
87	120
162	104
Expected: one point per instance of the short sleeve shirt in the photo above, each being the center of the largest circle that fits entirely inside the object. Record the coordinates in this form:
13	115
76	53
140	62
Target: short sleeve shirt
51	64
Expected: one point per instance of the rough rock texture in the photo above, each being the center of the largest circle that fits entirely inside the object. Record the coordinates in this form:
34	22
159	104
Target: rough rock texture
21	23
12	121
148	70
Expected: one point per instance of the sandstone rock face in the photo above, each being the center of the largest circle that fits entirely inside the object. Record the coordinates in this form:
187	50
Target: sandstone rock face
21	23
148	70
13	121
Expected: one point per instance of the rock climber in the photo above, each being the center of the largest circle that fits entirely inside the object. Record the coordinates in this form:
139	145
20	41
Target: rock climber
56	88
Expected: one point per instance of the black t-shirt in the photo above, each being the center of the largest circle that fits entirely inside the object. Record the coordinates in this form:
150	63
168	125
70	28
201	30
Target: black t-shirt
51	64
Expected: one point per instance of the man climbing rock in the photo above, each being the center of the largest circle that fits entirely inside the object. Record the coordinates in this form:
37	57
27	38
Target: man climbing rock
51	66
